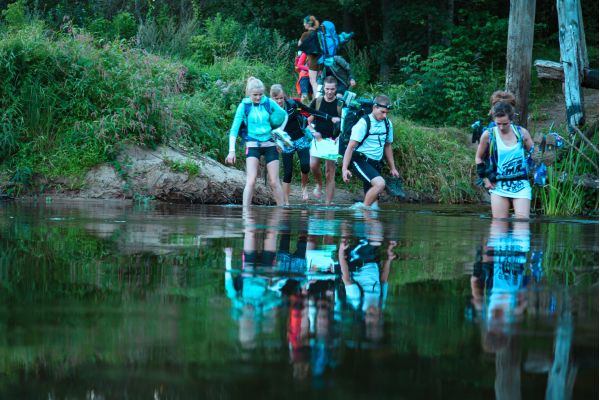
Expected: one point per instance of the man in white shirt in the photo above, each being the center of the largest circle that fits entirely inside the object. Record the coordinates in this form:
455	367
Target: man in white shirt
370	140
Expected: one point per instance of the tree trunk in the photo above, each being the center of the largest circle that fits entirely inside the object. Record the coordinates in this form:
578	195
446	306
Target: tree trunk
347	21
387	41
519	54
571	56
447	37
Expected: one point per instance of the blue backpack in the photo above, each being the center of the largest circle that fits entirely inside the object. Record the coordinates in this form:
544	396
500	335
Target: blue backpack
243	132
329	42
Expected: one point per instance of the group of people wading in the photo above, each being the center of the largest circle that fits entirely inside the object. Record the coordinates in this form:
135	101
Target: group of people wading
501	158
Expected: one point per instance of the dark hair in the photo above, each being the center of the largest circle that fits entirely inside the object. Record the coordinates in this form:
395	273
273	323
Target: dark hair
330	79
502	109
311	21
382	100
502	96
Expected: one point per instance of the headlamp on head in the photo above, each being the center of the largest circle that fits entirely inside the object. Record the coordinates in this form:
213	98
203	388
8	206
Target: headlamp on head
386	106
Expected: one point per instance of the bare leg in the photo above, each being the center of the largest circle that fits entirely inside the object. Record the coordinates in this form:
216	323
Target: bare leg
377	186
273	172
312	75
304	187
315	168
286	193
251	174
329	181
500	206
522	208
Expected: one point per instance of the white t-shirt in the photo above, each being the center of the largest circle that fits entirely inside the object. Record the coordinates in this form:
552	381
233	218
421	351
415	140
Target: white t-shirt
373	145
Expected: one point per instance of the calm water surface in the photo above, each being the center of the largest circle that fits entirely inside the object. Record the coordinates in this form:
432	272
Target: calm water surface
103	300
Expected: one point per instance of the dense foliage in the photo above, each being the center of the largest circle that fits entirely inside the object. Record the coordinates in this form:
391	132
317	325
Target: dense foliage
82	78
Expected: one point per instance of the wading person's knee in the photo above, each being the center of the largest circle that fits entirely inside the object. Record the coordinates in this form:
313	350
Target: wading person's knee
378	184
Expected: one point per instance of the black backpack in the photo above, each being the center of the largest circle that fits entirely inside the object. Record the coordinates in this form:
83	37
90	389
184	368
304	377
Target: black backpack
310	44
351	115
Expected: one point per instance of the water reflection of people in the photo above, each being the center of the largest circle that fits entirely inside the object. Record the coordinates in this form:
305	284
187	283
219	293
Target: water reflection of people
311	323
365	283
254	300
496	285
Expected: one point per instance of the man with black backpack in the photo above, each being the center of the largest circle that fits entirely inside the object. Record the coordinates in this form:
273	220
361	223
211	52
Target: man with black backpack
370	140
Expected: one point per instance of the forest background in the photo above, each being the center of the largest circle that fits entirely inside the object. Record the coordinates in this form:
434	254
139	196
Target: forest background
80	79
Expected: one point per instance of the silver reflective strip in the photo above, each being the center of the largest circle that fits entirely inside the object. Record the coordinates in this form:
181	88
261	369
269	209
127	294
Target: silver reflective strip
360	171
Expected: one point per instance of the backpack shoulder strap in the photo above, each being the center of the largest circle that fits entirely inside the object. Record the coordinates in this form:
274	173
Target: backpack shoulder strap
247	108
368	122
267	106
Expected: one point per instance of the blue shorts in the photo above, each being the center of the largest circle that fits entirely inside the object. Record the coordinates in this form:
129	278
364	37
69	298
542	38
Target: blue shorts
305	86
270	153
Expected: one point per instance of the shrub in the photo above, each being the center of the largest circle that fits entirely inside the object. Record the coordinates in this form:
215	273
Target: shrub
441	89
69	103
14	15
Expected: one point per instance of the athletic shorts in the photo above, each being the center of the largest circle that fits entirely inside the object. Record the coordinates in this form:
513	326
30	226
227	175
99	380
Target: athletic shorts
305	86
313	62
270	153
253	259
365	168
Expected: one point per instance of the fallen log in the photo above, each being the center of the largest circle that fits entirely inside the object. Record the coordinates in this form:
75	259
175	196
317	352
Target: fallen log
587	180
547	69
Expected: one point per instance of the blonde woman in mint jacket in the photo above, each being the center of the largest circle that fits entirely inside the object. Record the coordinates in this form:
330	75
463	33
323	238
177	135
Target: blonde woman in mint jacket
260	115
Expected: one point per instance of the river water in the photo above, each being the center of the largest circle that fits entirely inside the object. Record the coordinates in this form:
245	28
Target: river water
102	300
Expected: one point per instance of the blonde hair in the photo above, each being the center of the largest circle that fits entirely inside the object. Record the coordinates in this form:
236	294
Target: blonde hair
253	84
276	90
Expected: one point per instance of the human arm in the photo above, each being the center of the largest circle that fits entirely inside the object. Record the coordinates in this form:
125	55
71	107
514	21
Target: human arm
343	262
389	156
385	270
480	155
233	133
301	63
346	174
527	140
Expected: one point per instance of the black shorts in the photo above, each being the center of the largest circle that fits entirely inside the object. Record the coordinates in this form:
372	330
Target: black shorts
253	259
270	153
365	168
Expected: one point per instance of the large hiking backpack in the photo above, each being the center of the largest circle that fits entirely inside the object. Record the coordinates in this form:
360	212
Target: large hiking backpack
310	44
328	41
243	131
350	117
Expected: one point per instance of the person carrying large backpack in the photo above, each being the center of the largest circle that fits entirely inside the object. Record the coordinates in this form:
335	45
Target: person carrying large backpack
370	141
295	127
303	86
309	43
505	147
340	69
257	115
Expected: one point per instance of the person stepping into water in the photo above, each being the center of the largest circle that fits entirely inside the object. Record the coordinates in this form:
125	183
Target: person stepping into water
371	139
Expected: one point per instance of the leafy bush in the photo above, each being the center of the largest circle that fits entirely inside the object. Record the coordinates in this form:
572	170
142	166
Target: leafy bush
14	15
440	89
435	162
69	103
169	38
226	38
